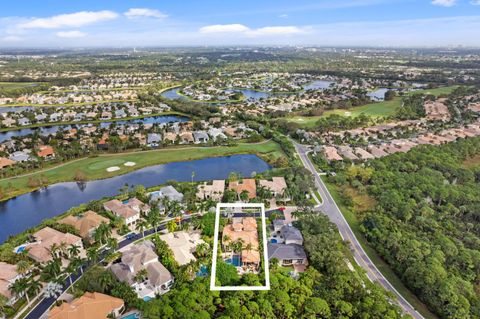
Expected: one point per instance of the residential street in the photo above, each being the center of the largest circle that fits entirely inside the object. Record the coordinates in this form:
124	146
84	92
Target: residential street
330	208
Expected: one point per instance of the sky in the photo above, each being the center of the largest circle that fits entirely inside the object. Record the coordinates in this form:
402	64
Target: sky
159	23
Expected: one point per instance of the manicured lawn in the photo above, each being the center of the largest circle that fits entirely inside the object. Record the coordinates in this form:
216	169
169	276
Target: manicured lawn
378	109
15	85
95	167
376	259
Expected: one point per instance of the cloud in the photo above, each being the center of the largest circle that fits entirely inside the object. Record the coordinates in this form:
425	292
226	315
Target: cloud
224	28
475	2
12	38
246	31
71	34
76	19
283	16
276	31
444	3
135	13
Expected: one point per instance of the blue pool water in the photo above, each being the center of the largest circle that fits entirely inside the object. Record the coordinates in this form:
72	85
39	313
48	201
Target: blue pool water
131	316
147	298
20	249
273	241
235	260
203	271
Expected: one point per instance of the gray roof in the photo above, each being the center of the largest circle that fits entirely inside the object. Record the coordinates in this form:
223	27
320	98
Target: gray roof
277	223
291	233
200	135
19	156
282	251
154	138
168	191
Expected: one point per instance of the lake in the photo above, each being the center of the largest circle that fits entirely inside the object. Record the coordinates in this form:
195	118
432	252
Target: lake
378	95
47	130
28	210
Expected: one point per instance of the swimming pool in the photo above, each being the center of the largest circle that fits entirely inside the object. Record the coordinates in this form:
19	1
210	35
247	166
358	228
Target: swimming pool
147	298
132	316
235	260
273	241
20	249
203	271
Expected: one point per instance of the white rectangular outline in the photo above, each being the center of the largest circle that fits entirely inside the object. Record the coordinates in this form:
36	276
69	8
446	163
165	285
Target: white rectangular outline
215	249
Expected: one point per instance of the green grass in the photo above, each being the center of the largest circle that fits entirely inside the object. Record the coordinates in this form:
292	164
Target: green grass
16	85
378	109
67	104
95	167
376	259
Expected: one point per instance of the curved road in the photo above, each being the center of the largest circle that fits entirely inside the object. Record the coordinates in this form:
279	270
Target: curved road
330	208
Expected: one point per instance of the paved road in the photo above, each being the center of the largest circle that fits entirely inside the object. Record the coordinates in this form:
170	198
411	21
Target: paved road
330	208
42	307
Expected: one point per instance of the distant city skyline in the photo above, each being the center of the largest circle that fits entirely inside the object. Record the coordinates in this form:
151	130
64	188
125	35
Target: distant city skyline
143	23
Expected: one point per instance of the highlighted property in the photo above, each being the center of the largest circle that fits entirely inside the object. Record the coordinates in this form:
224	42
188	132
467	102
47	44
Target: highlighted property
240	257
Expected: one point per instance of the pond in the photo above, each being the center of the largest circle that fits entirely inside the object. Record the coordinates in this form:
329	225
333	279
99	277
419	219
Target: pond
318	85
28	210
378	94
47	130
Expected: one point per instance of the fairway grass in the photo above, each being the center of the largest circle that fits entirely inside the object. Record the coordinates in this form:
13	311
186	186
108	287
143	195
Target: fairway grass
376	259
375	110
95	167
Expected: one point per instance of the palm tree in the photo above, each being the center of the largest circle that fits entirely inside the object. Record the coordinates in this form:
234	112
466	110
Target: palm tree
52	269
202	249
112	243
23	267
3	304
154	218
69	270
171	226
93	254
20	287
193	176
52	290
141	226
73	251
77	263
34	287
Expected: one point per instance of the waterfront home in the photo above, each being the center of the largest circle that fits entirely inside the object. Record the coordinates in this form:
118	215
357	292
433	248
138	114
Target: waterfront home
120	113
19	156
92	305
140	268
200	137
212	191
129	209
85	223
79	117
277	185
363	154
8	276
8	122
106	116
40	117
183	244
46	239
247	184
46	152
154	139
6	162
55	117
216	133
186	137
24	121
170	136
242	230
165	192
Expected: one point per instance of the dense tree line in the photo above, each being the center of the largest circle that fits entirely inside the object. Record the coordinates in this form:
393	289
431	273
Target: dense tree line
329	289
426	223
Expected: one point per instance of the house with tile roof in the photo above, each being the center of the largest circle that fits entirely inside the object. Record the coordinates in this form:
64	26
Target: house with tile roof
247	184
213	190
128	209
142	258
92	305
243	230
85	223
41	250
8	276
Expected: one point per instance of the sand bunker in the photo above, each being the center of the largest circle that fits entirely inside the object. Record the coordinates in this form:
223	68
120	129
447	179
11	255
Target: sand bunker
113	168
130	164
